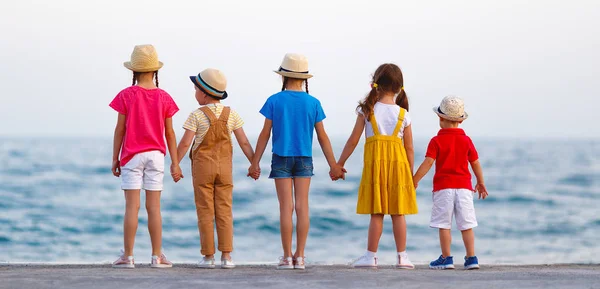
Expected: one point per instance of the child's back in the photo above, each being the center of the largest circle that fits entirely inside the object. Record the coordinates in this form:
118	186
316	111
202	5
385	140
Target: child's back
453	150
294	115
146	111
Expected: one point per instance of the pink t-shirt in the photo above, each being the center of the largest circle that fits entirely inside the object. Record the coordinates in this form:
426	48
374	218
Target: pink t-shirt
146	111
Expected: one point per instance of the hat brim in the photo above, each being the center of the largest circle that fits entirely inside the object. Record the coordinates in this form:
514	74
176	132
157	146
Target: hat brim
128	65
193	79
293	74
447	117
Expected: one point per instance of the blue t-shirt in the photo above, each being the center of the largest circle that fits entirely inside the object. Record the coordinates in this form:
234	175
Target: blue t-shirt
294	115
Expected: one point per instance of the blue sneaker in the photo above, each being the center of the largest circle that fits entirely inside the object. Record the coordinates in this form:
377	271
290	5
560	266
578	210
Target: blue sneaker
442	263
471	263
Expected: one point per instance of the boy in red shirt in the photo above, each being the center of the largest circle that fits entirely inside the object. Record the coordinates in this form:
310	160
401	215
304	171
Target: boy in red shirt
452	151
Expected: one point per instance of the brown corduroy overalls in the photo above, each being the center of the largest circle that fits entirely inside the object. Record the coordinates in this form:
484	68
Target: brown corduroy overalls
213	183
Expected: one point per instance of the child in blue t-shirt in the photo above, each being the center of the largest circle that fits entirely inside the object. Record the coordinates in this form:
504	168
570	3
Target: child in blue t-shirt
293	115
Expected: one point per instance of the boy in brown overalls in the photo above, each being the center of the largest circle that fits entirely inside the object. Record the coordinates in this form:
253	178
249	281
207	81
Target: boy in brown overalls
210	128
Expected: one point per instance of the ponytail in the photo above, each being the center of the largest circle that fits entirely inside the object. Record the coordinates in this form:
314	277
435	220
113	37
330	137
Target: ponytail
402	99
366	106
306	85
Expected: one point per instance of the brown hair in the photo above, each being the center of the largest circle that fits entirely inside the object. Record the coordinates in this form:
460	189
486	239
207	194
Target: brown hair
136	75
386	79
285	81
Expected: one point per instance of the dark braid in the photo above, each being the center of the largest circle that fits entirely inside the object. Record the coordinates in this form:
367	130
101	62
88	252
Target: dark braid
306	85
134	79
285	79
156	78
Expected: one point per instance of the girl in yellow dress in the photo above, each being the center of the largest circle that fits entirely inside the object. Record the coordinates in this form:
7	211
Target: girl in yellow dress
386	186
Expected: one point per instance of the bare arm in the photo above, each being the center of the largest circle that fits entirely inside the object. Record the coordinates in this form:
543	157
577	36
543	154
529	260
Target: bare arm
353	140
480	187
325	144
184	144
423	169
335	170
172	145
245	145
263	139
261	145
118	143
410	149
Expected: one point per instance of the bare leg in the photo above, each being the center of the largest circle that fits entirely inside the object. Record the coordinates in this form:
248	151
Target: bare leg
375	230
130	223
301	188
445	242
399	224
469	240
286	209
154	221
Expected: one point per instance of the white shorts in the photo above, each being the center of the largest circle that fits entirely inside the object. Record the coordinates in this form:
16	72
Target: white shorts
144	171
457	202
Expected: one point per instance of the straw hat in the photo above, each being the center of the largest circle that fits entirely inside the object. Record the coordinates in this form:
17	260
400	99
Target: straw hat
212	82
452	108
143	59
294	66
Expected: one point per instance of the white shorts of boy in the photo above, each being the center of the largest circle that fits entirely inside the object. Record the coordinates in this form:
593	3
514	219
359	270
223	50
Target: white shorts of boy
457	202
144	171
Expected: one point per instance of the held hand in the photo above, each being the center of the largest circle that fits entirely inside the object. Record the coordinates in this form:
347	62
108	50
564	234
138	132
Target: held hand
480	188
254	172
337	172
116	168
176	173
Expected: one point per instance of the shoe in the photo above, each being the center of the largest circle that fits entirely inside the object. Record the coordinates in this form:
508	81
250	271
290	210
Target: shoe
206	263
442	263
285	263
299	263
471	263
124	261
160	262
404	262
227	264
365	261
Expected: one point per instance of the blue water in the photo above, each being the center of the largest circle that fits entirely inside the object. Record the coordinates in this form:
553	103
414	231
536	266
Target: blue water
60	203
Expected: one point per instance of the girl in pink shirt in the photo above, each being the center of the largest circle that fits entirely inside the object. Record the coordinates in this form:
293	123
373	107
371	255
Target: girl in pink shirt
144	122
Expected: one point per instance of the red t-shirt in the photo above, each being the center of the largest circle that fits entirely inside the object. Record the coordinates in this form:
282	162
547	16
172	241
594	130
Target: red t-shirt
146	111
452	151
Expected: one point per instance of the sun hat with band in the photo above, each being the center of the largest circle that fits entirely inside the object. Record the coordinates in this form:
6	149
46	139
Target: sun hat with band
143	59
451	108
294	66
212	82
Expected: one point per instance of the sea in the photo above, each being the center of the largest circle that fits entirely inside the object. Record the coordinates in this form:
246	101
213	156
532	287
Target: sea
59	203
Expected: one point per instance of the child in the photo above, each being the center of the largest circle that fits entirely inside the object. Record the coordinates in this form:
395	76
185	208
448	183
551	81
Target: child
293	114
452	150
386	186
145	113
211	126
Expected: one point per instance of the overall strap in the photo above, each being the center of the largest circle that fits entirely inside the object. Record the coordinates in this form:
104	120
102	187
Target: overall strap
225	114
209	114
400	121
374	124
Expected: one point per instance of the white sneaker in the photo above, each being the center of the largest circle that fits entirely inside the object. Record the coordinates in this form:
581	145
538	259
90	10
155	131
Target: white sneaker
299	263
124	261
227	264
206	263
365	261
285	263
404	262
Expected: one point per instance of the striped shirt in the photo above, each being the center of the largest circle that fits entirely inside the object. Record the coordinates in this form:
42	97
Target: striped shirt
199	123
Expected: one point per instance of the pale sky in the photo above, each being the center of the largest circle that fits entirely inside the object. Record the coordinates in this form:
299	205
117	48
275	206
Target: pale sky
524	68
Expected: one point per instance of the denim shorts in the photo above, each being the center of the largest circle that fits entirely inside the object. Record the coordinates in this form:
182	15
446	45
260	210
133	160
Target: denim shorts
291	167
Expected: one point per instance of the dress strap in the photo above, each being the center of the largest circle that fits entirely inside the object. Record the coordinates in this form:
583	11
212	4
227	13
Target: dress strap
374	124
400	121
212	118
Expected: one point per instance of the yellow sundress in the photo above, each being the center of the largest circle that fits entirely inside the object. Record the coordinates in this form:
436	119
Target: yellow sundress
386	186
